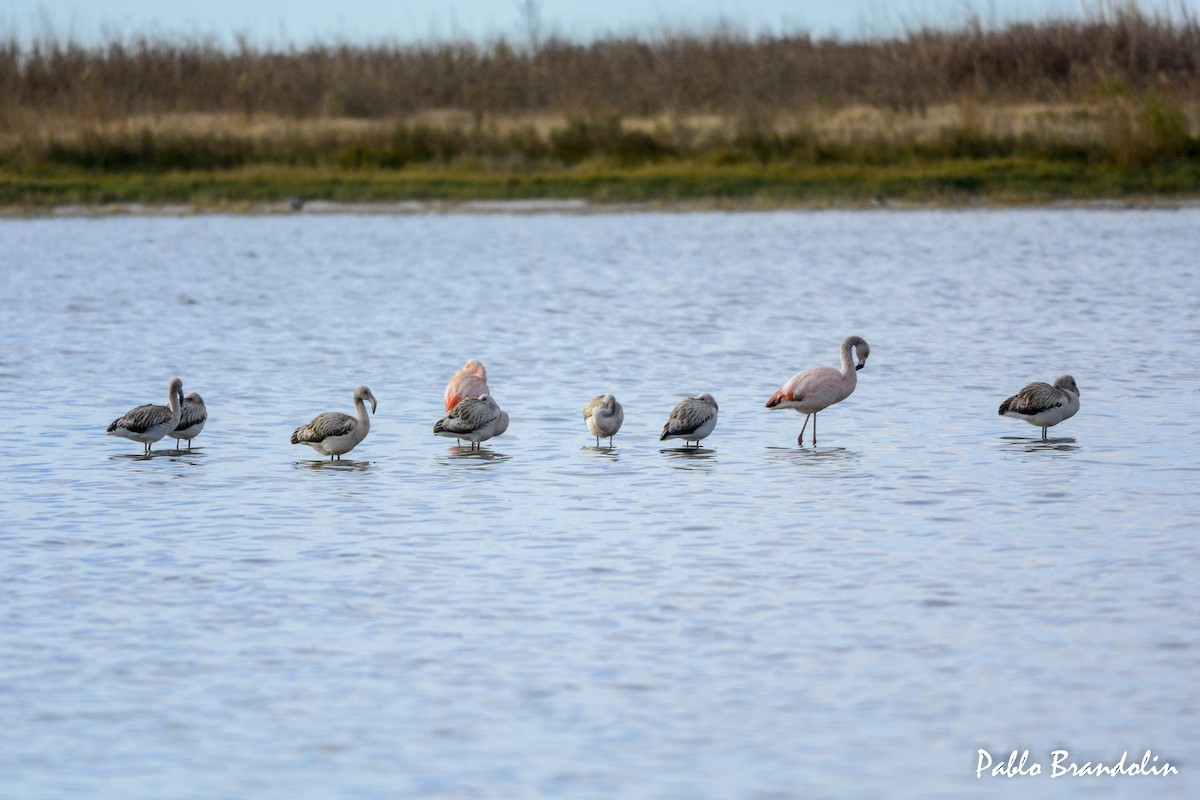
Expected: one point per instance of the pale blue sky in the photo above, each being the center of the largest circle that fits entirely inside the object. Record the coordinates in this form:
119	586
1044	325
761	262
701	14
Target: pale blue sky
299	22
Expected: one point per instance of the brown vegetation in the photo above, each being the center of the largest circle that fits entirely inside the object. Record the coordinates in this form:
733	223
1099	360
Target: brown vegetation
1120	90
721	73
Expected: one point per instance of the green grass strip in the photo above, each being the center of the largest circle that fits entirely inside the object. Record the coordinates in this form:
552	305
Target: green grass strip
996	180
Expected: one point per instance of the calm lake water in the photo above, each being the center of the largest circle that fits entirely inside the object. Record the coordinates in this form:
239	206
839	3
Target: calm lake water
549	619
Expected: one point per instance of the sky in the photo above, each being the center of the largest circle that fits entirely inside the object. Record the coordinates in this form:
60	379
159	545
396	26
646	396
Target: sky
286	23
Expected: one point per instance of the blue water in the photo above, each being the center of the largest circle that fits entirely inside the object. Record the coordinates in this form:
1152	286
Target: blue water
550	619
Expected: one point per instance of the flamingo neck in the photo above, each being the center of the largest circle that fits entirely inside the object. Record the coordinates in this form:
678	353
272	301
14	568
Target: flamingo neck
364	419
849	373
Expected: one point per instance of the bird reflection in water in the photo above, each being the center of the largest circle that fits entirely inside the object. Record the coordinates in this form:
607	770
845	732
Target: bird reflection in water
691	457
1038	445
340	465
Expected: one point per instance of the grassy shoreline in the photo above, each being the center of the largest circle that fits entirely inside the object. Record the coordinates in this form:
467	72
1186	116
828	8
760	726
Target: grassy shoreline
989	181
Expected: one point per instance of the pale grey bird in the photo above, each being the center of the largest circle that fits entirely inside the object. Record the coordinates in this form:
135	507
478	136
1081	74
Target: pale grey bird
691	420
475	419
335	434
149	423
604	416
192	417
1044	405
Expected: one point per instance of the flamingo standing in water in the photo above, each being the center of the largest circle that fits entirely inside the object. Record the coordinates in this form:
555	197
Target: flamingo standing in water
149	423
475	419
334	434
192	417
604	416
470	381
692	419
1044	405
818	388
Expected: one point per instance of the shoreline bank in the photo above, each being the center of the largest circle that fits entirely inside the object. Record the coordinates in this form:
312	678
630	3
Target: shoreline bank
568	206
997	182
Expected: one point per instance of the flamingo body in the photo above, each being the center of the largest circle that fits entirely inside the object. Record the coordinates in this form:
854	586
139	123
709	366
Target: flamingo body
814	390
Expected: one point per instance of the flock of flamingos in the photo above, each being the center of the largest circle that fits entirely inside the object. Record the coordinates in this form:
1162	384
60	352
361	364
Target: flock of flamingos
472	413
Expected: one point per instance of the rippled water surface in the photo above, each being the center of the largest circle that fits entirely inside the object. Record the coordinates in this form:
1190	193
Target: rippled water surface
548	618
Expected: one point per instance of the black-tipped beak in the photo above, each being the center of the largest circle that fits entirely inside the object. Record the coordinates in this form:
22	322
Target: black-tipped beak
860	366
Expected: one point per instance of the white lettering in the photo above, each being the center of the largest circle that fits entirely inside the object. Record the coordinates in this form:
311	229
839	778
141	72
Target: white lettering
1056	759
1118	768
1020	764
980	766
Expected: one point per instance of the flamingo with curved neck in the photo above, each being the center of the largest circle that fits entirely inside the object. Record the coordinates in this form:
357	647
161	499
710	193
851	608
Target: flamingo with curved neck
149	423
818	388
335	434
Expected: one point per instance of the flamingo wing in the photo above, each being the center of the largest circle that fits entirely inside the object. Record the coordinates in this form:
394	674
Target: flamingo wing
1034	399
323	426
468	416
142	418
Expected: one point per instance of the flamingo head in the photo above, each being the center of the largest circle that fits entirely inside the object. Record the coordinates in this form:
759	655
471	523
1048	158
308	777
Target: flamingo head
475	367
364	394
862	349
1067	383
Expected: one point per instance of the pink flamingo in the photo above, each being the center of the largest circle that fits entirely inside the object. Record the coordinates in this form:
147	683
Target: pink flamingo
470	381
818	388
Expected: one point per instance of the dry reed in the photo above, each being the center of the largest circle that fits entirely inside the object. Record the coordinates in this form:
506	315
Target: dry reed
1121	88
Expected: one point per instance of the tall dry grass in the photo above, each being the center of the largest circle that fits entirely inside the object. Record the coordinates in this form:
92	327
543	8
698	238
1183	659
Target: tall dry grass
1122	86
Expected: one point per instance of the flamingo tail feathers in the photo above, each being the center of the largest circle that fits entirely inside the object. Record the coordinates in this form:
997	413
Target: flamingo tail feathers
778	398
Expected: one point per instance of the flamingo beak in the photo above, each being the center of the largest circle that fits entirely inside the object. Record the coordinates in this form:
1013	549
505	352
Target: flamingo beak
374	405
860	366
